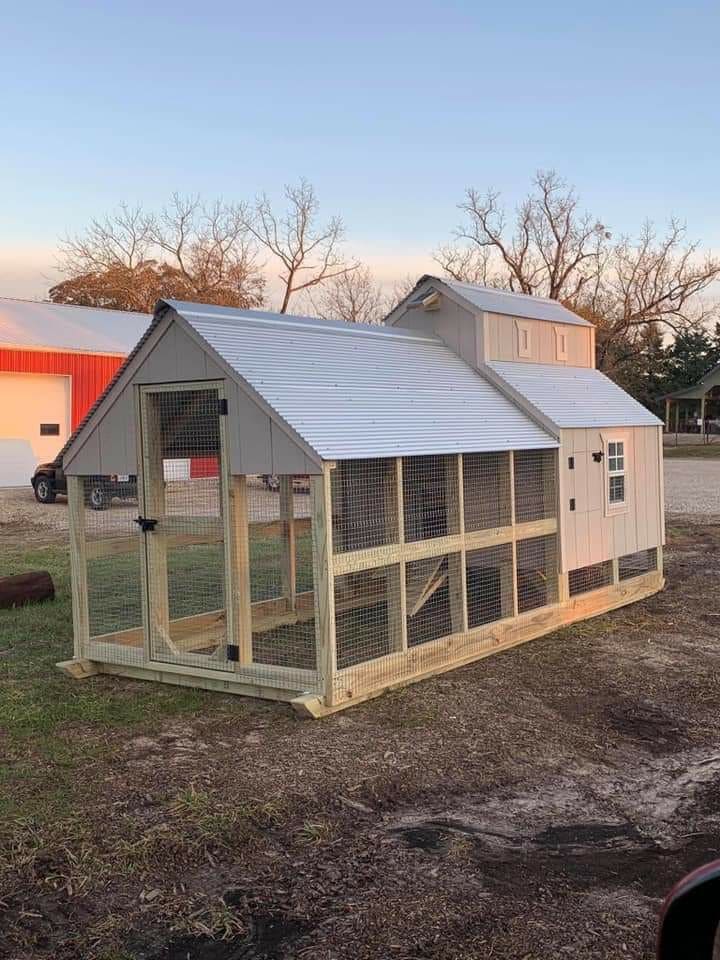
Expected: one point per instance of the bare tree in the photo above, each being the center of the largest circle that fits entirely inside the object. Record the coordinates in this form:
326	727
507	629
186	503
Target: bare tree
654	280
189	251
552	249
354	297
309	252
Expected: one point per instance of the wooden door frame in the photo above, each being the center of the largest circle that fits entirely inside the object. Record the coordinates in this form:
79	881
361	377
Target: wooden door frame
149	570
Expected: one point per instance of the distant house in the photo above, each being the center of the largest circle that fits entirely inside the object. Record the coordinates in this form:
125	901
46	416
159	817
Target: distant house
55	360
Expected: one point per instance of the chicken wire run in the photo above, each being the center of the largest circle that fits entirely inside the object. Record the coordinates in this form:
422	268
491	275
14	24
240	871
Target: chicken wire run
326	511
423	560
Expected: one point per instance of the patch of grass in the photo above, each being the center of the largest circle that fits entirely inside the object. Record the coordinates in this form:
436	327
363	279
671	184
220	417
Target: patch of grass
692	451
314	833
37	700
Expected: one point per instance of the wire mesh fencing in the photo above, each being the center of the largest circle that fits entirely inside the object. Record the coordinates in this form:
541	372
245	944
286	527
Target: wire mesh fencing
434	598
489	578
592	577
486	490
430	497
637	564
367	615
184	491
537	572
281	572
535	485
114	552
364	504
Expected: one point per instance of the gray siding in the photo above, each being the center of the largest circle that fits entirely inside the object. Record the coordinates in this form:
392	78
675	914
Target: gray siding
591	533
255	443
501	341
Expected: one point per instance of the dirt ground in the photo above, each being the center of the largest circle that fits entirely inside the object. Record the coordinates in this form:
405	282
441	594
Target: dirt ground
537	804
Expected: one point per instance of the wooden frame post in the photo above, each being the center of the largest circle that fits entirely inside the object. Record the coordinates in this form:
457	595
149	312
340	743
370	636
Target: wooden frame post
514	535
400	501
153	503
395	532
288	561
240	596
324	582
459	604
78	566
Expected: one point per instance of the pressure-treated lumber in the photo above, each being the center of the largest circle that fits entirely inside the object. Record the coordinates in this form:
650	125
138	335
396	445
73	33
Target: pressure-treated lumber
153	505
368	680
240	569
78	669
324	581
78	565
424	549
288	571
32	587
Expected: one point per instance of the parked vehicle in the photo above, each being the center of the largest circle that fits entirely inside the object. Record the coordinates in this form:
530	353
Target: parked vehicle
301	482
690	917
49	480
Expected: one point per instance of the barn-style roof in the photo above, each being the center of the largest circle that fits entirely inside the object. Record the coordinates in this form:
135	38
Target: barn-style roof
492	300
26	324
574	396
357	390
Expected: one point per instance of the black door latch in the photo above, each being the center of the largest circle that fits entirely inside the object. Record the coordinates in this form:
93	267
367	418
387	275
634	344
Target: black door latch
145	523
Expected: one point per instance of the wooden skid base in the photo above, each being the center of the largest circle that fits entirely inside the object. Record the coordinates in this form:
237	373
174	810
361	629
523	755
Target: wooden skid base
504	635
78	669
222	683
368	680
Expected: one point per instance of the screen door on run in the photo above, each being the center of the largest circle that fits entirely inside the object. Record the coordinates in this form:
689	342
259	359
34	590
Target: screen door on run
184	494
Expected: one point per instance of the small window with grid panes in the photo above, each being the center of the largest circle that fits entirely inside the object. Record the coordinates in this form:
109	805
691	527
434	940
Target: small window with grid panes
616	472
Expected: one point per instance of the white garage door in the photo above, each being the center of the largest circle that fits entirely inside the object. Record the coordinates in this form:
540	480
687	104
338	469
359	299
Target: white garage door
34	423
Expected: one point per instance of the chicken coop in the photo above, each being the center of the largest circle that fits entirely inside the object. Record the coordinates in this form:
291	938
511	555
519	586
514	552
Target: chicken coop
324	511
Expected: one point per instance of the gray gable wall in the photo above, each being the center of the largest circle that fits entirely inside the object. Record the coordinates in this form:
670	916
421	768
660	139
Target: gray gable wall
257	442
457	325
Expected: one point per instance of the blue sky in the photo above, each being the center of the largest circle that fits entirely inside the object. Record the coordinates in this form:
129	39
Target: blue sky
390	109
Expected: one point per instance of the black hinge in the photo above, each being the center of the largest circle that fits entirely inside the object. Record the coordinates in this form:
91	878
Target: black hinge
222	407
233	652
571	463
572	503
145	523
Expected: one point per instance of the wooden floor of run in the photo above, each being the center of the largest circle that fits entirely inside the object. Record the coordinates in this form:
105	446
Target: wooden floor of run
370	679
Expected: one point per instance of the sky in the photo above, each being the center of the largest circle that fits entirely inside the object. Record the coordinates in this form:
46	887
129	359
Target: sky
390	109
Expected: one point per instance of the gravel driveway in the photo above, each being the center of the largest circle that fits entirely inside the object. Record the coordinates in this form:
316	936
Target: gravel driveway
691	486
23	520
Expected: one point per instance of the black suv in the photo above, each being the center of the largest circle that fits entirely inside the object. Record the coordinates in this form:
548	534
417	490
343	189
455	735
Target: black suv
49	480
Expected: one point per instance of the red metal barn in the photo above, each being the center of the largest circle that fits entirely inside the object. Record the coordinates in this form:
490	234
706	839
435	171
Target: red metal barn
55	359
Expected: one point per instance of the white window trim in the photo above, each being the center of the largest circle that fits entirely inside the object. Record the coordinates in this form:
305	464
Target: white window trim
561	342
614	509
524	332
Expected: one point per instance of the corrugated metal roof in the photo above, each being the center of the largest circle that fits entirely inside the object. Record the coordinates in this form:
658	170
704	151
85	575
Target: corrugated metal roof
353	390
575	396
59	326
512	304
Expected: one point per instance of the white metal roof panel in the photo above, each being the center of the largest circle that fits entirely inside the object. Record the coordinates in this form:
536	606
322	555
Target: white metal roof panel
574	396
59	326
353	390
513	304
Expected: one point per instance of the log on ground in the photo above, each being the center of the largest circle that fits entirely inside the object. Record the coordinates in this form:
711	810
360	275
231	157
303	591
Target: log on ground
23	588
